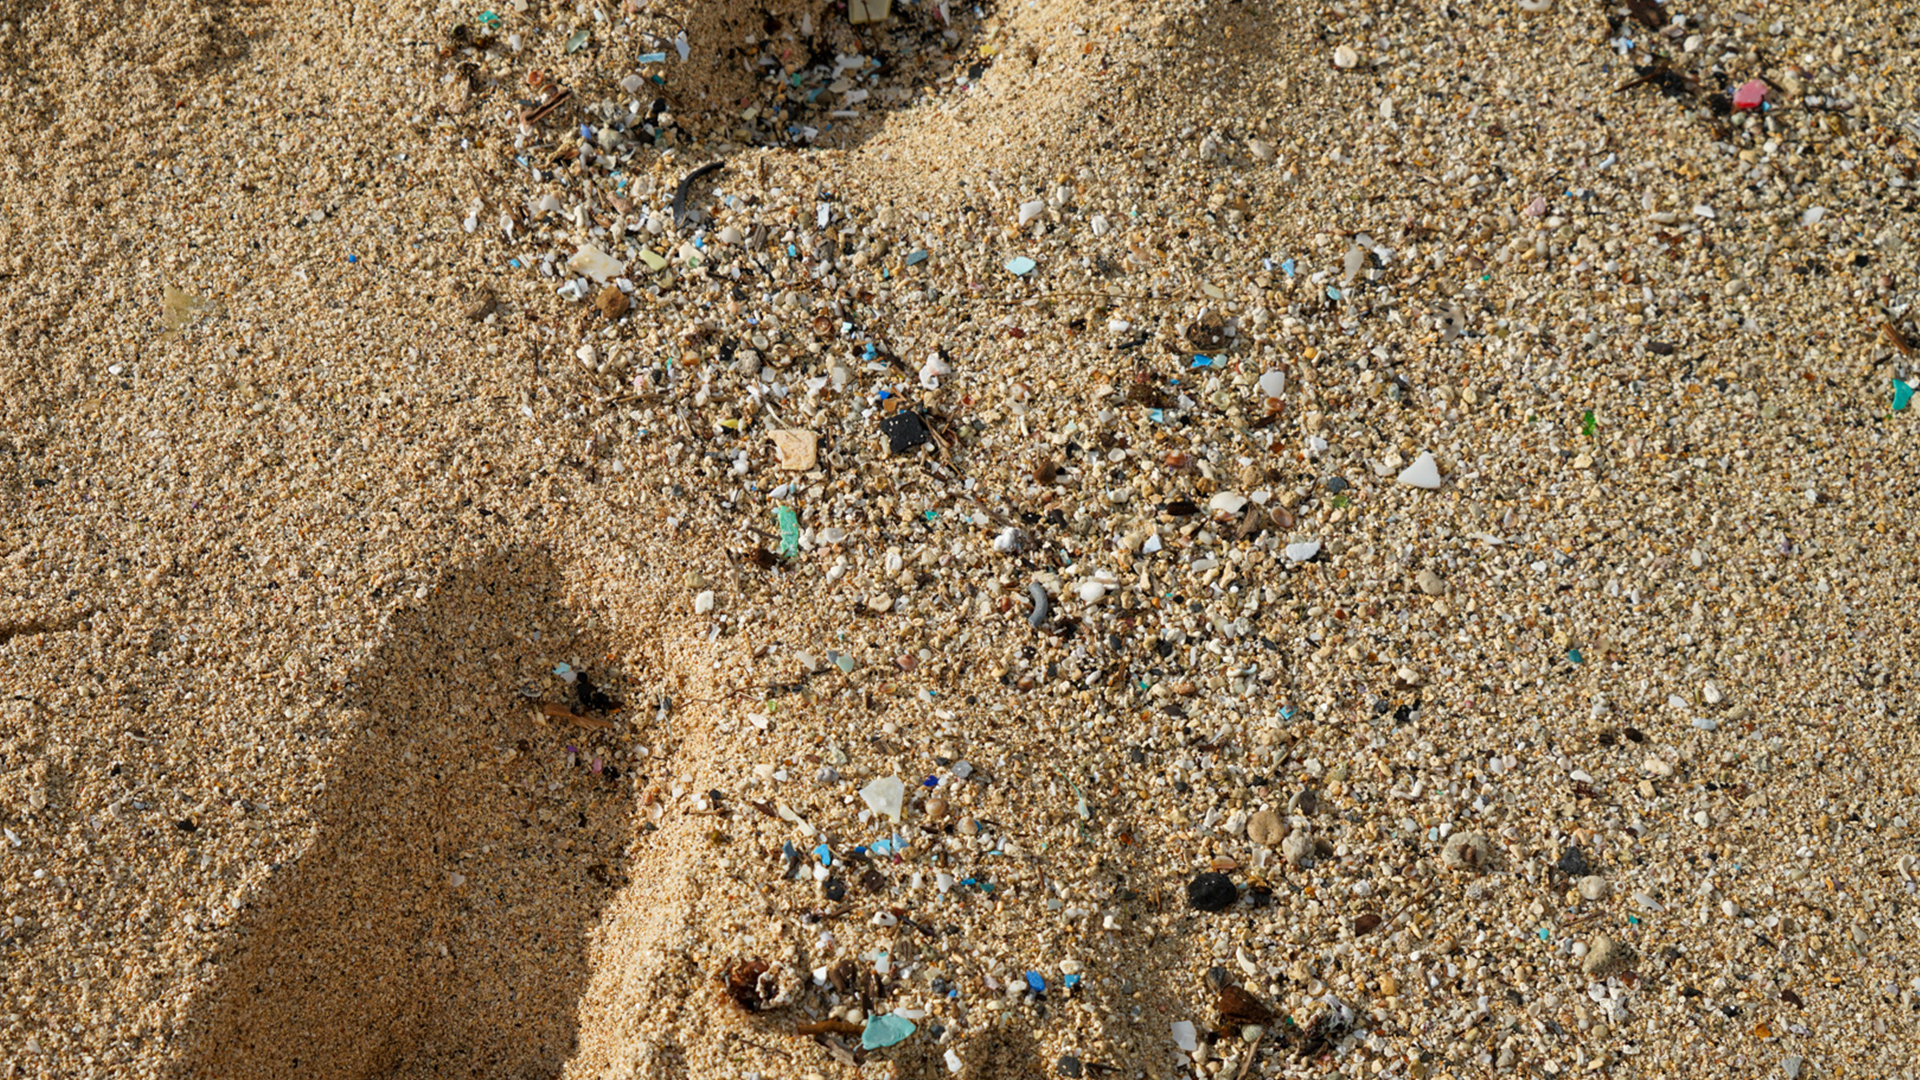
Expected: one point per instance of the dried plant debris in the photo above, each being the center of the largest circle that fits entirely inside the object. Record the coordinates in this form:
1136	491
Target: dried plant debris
758	986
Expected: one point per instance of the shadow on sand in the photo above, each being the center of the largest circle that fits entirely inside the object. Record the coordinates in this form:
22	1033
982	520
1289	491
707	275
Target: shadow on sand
439	923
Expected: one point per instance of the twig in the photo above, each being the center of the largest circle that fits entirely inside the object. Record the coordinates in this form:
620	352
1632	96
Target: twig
1252	1052
540	113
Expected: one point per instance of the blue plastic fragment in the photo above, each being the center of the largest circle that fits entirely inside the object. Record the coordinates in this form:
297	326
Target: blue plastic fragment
652	58
1333	293
1020	266
824	855
1156	416
1202	361
931	781
1286	267
1036	983
915	258
1072	982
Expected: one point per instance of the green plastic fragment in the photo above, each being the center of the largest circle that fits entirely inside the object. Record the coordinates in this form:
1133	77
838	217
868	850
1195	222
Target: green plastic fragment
885	1030
1902	395
578	39
789	531
1587	424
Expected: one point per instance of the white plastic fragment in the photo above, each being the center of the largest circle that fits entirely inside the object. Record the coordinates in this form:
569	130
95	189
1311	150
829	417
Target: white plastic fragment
596	264
1273	383
1184	1036
1423	473
933	371
1302	551
1031	210
703	603
885	796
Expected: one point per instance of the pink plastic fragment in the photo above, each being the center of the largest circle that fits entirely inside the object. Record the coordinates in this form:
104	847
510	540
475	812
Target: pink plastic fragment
1538	207
1750	94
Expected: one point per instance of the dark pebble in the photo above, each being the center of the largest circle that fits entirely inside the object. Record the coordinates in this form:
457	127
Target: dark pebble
1212	892
1573	862
1336	485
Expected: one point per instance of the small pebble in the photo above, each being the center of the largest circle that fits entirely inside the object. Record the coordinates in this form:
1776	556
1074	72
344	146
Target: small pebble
1212	891
1604	955
1265	828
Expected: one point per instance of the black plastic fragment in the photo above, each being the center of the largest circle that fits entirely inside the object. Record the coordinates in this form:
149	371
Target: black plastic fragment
905	430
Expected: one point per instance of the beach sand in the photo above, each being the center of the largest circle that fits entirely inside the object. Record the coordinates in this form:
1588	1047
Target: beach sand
1591	752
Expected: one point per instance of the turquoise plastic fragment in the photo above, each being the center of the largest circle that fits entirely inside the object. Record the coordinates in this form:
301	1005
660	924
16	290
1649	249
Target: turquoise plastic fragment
1902	394
789	531
885	1030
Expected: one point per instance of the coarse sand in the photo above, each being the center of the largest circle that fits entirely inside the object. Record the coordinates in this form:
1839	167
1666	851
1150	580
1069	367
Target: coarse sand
1375	538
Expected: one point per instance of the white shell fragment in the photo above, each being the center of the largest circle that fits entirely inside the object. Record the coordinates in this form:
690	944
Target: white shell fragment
1423	473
